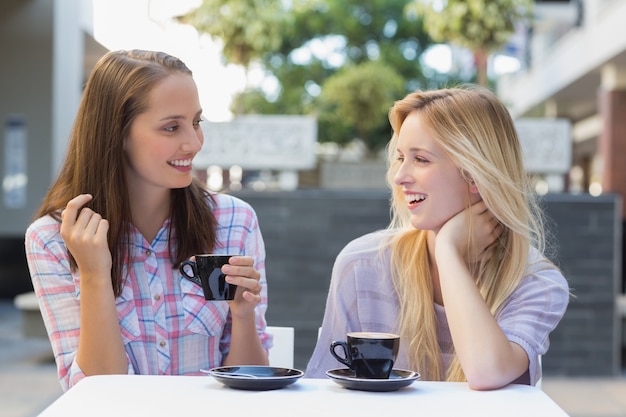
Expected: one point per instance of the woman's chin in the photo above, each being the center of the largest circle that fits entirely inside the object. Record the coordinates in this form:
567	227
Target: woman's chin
418	224
182	183
421	224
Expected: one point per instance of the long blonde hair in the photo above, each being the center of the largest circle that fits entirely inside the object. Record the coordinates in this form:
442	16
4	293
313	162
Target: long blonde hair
477	133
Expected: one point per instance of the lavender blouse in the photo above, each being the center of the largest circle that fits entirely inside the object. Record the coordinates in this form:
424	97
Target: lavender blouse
362	298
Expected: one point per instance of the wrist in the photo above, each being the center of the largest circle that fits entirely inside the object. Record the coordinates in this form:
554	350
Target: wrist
444	251
244	318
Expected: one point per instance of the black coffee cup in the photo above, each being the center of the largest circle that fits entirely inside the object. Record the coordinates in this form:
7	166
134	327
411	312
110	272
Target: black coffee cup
207	273
369	355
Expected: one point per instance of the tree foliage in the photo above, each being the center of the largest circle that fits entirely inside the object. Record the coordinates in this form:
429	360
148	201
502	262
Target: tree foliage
482	26
247	28
369	30
310	49
356	100
361	32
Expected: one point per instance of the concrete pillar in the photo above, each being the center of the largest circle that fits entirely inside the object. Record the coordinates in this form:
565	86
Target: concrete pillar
67	74
612	140
556	181
612	143
551	109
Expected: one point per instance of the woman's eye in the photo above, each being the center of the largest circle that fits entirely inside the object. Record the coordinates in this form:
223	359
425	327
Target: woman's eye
171	129
198	121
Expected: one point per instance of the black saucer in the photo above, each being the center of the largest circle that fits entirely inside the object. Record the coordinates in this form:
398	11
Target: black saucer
255	378
399	378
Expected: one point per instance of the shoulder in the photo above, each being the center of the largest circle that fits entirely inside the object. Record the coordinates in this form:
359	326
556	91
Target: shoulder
231	211
543	271
227	206
227	202
367	251
544	283
44	228
367	244
43	236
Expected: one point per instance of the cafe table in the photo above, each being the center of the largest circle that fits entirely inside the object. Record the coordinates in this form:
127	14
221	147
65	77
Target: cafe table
185	396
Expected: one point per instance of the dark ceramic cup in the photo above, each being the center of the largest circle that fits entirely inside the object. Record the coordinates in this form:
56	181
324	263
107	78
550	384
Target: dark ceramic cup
369	355
207	273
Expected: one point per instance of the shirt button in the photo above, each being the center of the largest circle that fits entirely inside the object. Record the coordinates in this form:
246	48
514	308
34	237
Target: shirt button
148	252
157	297
162	343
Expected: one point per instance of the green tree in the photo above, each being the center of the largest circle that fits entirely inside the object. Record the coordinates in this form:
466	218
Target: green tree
360	31
355	103
482	26
247	28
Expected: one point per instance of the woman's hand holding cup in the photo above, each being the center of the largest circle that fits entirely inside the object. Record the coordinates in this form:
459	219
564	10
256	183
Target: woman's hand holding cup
231	278
240	271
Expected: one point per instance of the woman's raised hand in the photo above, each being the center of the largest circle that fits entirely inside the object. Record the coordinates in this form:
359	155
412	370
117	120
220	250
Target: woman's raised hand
471	232
85	234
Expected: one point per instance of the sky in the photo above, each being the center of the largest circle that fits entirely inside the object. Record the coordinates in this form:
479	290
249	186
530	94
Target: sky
148	24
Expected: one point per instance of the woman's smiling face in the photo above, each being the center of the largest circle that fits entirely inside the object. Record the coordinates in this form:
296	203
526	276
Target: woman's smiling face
164	139
432	184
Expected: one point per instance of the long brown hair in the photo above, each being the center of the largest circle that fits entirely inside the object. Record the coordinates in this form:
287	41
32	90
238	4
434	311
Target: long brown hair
116	92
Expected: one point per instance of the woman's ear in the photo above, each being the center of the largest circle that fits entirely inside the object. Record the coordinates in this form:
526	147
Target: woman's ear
472	187
470	181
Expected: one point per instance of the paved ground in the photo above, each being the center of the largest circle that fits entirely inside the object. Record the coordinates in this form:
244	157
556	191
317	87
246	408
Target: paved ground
28	381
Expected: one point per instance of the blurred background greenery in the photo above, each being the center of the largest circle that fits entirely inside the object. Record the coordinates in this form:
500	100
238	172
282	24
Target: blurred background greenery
346	61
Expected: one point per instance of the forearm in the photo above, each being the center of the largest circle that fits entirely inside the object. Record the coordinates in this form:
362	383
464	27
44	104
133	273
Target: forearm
489	360
245	345
100	347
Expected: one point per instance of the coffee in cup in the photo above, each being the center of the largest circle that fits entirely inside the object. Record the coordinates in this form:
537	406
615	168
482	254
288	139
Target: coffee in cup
369	355
207	272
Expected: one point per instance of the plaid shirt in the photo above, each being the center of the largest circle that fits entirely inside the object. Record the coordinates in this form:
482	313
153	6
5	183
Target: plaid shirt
167	326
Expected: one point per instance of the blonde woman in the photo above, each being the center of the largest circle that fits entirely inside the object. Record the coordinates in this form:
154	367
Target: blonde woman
460	273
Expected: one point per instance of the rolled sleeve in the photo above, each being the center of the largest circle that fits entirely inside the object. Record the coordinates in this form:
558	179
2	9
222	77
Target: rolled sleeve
532	312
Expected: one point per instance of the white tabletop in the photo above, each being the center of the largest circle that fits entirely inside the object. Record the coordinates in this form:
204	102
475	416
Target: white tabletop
135	395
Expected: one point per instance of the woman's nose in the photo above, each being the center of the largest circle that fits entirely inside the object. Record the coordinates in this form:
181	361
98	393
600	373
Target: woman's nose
193	141
401	175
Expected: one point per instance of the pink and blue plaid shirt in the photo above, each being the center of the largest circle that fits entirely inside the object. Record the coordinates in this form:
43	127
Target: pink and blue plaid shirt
167	326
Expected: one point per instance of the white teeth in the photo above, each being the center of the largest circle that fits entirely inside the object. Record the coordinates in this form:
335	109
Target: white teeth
414	197
180	162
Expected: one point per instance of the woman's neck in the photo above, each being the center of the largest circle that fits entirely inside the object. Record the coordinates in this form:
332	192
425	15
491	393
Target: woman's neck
434	271
149	212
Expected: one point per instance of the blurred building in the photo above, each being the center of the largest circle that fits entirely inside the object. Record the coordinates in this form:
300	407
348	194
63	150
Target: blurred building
574	67
48	49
